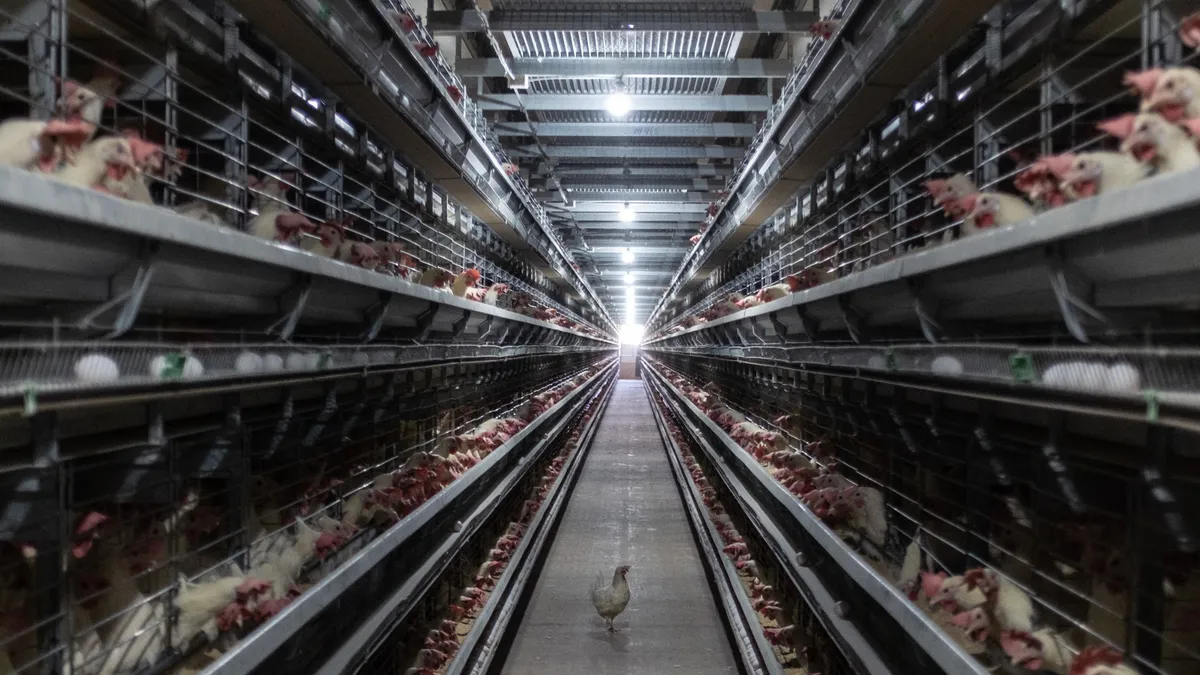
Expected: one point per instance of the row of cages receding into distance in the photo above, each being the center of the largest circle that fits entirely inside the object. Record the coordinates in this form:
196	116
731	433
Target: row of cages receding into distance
185	107
165	532
1035	80
1087	523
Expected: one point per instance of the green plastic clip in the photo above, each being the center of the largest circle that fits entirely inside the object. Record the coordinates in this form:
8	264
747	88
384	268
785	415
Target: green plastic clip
1151	396
324	11
1021	366
31	401
173	366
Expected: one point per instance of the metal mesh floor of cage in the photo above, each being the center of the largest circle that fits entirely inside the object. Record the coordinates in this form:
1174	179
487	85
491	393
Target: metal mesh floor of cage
1088	518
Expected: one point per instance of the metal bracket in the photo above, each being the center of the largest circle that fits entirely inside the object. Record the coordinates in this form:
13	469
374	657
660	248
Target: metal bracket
809	324
128	303
285	326
287	408
425	323
856	321
1070	289
457	328
1058	468
926	312
375	316
327	412
485	327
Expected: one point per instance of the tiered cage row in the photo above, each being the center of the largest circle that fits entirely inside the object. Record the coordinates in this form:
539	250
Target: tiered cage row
1018	394
252	389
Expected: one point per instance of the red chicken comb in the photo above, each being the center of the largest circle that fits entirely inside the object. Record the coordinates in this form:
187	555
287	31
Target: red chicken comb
1189	30
936	186
1118	127
1143	82
1096	655
1059	165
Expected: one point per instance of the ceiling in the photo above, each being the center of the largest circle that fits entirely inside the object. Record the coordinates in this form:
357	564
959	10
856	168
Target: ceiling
698	78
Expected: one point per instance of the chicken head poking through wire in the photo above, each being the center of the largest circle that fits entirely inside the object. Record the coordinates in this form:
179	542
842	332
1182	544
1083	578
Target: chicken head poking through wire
610	600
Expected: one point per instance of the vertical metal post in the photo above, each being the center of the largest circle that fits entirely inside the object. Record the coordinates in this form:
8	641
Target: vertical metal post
170	114
53	604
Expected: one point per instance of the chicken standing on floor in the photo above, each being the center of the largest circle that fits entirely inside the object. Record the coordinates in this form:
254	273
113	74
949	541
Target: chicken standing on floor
610	600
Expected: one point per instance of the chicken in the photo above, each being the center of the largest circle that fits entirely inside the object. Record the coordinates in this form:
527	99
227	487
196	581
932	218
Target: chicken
1099	660
465	280
39	144
610	601
1173	93
148	158
825	28
1152	140
199	604
1189	30
489	295
1088	174
359	254
329	238
109	157
1039	183
437	278
275	223
135	639
992	209
85	102
788	286
947	191
910	569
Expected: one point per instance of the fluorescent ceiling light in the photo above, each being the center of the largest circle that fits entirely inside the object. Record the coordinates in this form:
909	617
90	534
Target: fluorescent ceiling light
626	214
628	278
627	256
618	104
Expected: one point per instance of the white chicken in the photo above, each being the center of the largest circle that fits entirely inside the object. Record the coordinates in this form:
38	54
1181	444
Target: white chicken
947	191
1100	660
610	600
489	295
86	102
1152	140
109	157
1173	93
35	144
1088	174
992	209
465	281
200	603
330	236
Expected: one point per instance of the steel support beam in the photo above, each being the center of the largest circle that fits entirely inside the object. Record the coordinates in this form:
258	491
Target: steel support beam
579	184
631	151
686	102
597	67
627	129
644	221
619	196
544	169
632	19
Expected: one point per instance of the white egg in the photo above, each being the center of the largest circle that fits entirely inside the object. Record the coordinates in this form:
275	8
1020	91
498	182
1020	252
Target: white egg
877	362
272	363
248	362
161	368
96	368
1065	375
1124	377
947	365
297	361
314	361
1093	376
360	359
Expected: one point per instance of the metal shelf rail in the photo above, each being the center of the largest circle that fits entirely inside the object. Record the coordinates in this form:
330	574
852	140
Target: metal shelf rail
1033	79
1090	515
243	466
124	261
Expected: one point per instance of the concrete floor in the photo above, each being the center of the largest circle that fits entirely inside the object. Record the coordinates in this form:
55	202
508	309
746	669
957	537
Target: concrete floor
625	510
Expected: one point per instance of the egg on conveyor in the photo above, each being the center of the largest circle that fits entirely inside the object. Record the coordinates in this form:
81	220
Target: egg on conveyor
360	359
1124	377
1091	375
248	362
946	365
297	361
272	363
170	366
96	368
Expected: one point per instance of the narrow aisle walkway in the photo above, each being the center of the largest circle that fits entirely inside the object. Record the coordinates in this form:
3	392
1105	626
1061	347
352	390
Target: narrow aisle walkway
625	510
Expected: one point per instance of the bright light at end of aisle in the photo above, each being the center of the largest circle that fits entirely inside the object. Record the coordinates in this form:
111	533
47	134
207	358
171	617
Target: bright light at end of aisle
631	334
627	256
628	278
618	104
626	214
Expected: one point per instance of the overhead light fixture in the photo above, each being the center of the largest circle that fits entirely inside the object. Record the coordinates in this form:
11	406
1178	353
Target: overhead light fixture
628	278
618	103
627	256
626	214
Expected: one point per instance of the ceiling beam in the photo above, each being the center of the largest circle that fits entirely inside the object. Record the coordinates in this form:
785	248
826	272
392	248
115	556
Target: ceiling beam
645	221
631	151
627	129
631	19
619	196
673	170
601	67
685	102
647	183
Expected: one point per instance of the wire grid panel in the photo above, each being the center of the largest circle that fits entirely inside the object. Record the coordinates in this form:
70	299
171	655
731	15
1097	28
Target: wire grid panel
1065	508
196	503
858	214
277	144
